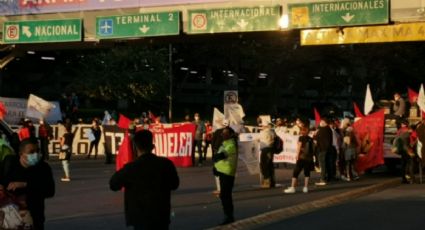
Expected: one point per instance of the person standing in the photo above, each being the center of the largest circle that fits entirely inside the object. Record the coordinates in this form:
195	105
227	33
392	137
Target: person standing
225	165
350	153
45	134
148	182
402	144
420	131
95	138
267	136
31	178
66	146
199	137
216	142
208	138
324	143
304	160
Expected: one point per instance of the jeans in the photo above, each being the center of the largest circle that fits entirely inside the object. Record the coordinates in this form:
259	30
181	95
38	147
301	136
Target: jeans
65	165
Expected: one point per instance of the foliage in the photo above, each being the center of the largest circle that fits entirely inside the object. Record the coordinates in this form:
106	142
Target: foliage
125	72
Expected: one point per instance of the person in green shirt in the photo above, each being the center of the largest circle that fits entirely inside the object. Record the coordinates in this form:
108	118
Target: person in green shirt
225	165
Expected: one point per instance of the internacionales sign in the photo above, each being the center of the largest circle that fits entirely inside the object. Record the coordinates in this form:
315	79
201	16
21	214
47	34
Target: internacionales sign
42	31
262	18
138	25
338	13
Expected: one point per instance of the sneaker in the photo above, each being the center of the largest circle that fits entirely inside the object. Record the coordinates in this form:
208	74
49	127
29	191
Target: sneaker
321	183
289	190
65	179
305	190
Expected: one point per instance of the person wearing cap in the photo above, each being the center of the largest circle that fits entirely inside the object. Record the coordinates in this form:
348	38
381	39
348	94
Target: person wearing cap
216	142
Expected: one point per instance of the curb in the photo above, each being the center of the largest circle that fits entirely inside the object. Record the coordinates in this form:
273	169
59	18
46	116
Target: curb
268	218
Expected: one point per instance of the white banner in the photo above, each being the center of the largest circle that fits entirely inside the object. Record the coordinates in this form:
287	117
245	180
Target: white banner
249	150
17	109
234	112
289	153
38	108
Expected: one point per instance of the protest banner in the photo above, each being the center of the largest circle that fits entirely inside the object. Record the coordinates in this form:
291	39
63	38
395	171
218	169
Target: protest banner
249	150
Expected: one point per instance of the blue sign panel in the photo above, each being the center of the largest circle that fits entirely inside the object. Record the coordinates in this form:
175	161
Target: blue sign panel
19	7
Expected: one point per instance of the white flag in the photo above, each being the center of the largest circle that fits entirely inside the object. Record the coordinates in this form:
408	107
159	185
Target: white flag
234	112
368	104
218	119
38	107
421	98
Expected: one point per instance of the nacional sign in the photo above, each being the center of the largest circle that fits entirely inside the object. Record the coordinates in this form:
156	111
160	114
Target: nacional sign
338	13
261	18
367	34
138	25
42	31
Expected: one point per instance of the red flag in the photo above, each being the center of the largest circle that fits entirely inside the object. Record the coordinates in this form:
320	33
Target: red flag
357	111
413	96
123	122
3	110
369	132
125	152
317	117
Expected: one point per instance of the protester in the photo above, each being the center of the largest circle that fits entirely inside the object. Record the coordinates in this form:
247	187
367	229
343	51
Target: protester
398	110
335	158
24	131
45	134
225	166
267	136
324	143
31	179
199	137
147	182
350	154
66	146
401	147
304	161
420	131
94	138
208	138
216	142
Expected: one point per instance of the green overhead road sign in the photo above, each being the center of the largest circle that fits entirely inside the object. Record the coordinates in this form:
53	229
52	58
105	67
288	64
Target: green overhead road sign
338	13
68	30
138	25
262	18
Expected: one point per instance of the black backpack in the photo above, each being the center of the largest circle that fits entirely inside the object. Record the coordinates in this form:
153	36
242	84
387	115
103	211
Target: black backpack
277	145
307	150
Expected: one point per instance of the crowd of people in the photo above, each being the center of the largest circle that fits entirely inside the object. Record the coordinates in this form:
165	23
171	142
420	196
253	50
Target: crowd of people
331	149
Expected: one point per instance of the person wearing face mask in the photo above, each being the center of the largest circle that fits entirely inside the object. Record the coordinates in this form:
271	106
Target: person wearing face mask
31	179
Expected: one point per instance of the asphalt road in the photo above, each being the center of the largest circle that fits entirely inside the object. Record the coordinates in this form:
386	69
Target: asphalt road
402	207
87	203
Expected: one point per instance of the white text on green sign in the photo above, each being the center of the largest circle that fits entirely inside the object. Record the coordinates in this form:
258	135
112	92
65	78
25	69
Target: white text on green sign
42	31
138	25
338	13
262	18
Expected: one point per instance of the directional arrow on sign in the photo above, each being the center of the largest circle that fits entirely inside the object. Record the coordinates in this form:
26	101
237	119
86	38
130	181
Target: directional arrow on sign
347	17
26	31
242	23
144	29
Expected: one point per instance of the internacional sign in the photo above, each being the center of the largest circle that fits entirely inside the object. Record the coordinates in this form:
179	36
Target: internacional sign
338	13
138	25
243	19
68	30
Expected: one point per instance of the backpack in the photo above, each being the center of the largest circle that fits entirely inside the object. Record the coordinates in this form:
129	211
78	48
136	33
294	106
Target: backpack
306	152
277	145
